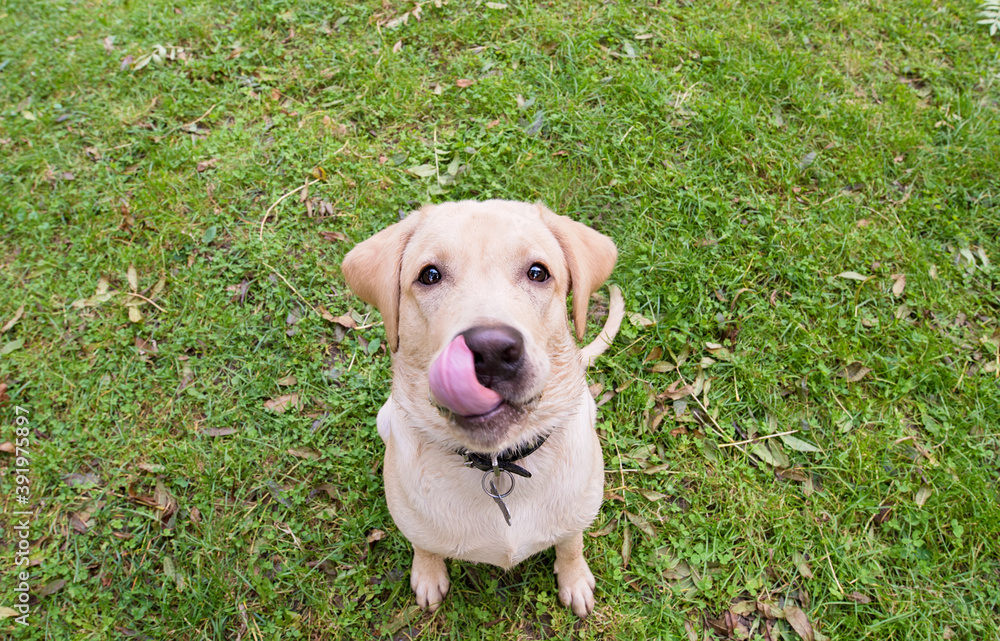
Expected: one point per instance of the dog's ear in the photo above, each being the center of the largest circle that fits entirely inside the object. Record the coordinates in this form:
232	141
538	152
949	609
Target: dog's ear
372	270
590	257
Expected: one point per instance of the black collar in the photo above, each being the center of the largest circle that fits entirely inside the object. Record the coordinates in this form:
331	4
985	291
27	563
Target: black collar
505	459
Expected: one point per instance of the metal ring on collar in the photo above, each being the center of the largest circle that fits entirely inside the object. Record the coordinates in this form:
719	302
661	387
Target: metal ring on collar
497	496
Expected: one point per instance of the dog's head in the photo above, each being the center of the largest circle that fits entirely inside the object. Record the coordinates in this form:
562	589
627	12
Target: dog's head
473	297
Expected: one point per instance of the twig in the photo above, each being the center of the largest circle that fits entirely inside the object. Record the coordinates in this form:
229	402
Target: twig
757	438
202	117
292	287
269	209
147	300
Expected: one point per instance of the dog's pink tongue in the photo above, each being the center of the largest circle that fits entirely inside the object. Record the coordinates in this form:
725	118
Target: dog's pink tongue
453	382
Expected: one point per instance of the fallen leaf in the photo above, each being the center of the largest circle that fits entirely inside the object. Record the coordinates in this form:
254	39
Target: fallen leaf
7	447
51	587
465	82
673	393
133	278
6	613
807	160
853	276
76	479
898	285
857	597
652	495
346	320
287	381
799	622
424	171
219	431
9	324
626	546
663	366
166	502
855	372
493	123
375	536
134	315
151	468
608	528
109	44
281	404
802	565
496	5
332	236
205	165
304	452
396	47
641	523
923	494
798	444
12	346
402	619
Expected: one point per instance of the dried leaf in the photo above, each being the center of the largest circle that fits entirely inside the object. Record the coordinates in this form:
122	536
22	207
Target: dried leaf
464	82
424	171
51	587
641	523
281	404
287	381
857	597
165	501
134	314
133	278
898	285
332	236
673	393
626	546
853	276
798	444
923	494
608	528
639	320
7	447
219	431
799	622
205	165
855	372
375	536
346	320
304	452
402	619
663	366
9	324
802	565
652	495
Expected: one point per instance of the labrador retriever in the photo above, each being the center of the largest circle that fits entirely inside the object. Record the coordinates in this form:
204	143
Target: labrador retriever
490	450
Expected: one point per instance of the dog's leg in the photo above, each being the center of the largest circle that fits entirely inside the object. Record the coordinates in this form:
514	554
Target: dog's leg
428	578
576	582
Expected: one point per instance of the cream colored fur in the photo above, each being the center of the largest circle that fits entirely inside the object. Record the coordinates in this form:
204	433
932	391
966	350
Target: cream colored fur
483	250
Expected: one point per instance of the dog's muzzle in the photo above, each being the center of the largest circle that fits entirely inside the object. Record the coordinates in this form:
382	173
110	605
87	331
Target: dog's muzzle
478	370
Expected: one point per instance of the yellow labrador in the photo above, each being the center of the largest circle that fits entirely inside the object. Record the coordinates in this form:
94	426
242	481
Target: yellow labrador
491	454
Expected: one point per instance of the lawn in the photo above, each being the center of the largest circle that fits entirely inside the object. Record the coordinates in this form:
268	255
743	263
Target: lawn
799	417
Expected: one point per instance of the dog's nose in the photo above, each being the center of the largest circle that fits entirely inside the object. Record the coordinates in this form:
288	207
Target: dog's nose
498	352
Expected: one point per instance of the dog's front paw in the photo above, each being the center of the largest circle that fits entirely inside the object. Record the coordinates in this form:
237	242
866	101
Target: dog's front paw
429	579
576	585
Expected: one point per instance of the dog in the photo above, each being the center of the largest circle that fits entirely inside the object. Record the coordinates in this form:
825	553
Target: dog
490	450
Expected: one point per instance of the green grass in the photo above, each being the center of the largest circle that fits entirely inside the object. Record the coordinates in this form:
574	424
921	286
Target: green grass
742	157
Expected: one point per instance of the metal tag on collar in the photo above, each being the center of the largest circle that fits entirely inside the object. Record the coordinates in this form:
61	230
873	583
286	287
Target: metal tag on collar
492	491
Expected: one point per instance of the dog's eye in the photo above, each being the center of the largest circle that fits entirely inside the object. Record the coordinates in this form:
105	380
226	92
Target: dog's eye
538	273
429	275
